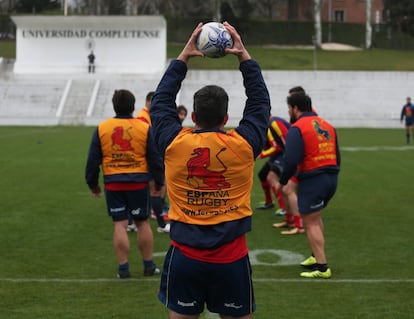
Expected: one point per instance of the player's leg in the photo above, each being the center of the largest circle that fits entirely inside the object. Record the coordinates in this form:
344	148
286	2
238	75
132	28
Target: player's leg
145	242
176	315
412	130
230	289
407	133
265	187
182	286
138	202
120	241
249	316
315	234
290	194
311	201
281	199
273	180
117	208
157	204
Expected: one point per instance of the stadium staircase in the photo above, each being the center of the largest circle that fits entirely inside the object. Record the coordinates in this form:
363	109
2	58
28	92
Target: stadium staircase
74	109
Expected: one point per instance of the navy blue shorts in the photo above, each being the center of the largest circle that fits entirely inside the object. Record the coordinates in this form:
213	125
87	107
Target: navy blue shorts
315	192
122	203
187	285
409	121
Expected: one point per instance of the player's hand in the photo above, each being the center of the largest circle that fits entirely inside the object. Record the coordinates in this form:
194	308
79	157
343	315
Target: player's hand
96	191
190	50
238	48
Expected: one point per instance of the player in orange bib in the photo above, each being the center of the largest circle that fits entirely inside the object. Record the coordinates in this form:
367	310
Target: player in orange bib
124	149
209	176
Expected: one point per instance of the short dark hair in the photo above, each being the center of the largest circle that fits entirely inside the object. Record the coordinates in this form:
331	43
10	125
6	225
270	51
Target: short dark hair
210	106
149	96
301	100
123	102
297	89
181	108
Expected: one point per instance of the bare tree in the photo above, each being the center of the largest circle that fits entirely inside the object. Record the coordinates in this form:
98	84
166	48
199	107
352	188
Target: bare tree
149	6
266	8
368	33
131	7
80	6
318	25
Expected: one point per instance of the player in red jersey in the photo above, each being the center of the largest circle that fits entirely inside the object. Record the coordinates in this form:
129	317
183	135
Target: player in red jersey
312	153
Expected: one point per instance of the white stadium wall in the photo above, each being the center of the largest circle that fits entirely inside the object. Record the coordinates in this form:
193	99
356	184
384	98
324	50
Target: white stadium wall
347	99
61	44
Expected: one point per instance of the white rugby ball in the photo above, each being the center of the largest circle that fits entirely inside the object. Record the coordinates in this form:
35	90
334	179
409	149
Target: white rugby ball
213	39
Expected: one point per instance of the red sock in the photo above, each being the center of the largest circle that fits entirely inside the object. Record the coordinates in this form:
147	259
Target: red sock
280	200
298	221
268	194
290	218
279	197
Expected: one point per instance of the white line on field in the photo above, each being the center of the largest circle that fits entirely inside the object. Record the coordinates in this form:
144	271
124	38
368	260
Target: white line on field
258	280
376	148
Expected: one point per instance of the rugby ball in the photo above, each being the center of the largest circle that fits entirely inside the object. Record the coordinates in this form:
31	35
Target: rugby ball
213	39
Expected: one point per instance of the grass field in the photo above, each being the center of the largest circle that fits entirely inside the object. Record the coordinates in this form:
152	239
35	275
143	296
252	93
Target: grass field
271	58
57	259
291	59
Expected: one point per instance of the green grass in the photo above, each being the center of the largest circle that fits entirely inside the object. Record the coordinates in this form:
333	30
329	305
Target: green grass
291	59
301	59
57	259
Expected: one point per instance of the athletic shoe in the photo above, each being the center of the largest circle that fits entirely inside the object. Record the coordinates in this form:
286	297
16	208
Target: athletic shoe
283	224
124	274
279	212
293	231
165	229
308	262
265	206
132	227
317	274
151	271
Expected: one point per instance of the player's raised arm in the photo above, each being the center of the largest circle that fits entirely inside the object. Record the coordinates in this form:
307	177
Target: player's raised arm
238	48
190	50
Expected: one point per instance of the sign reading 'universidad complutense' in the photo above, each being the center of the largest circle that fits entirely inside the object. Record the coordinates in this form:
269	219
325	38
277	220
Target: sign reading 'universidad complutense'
119	44
112	34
